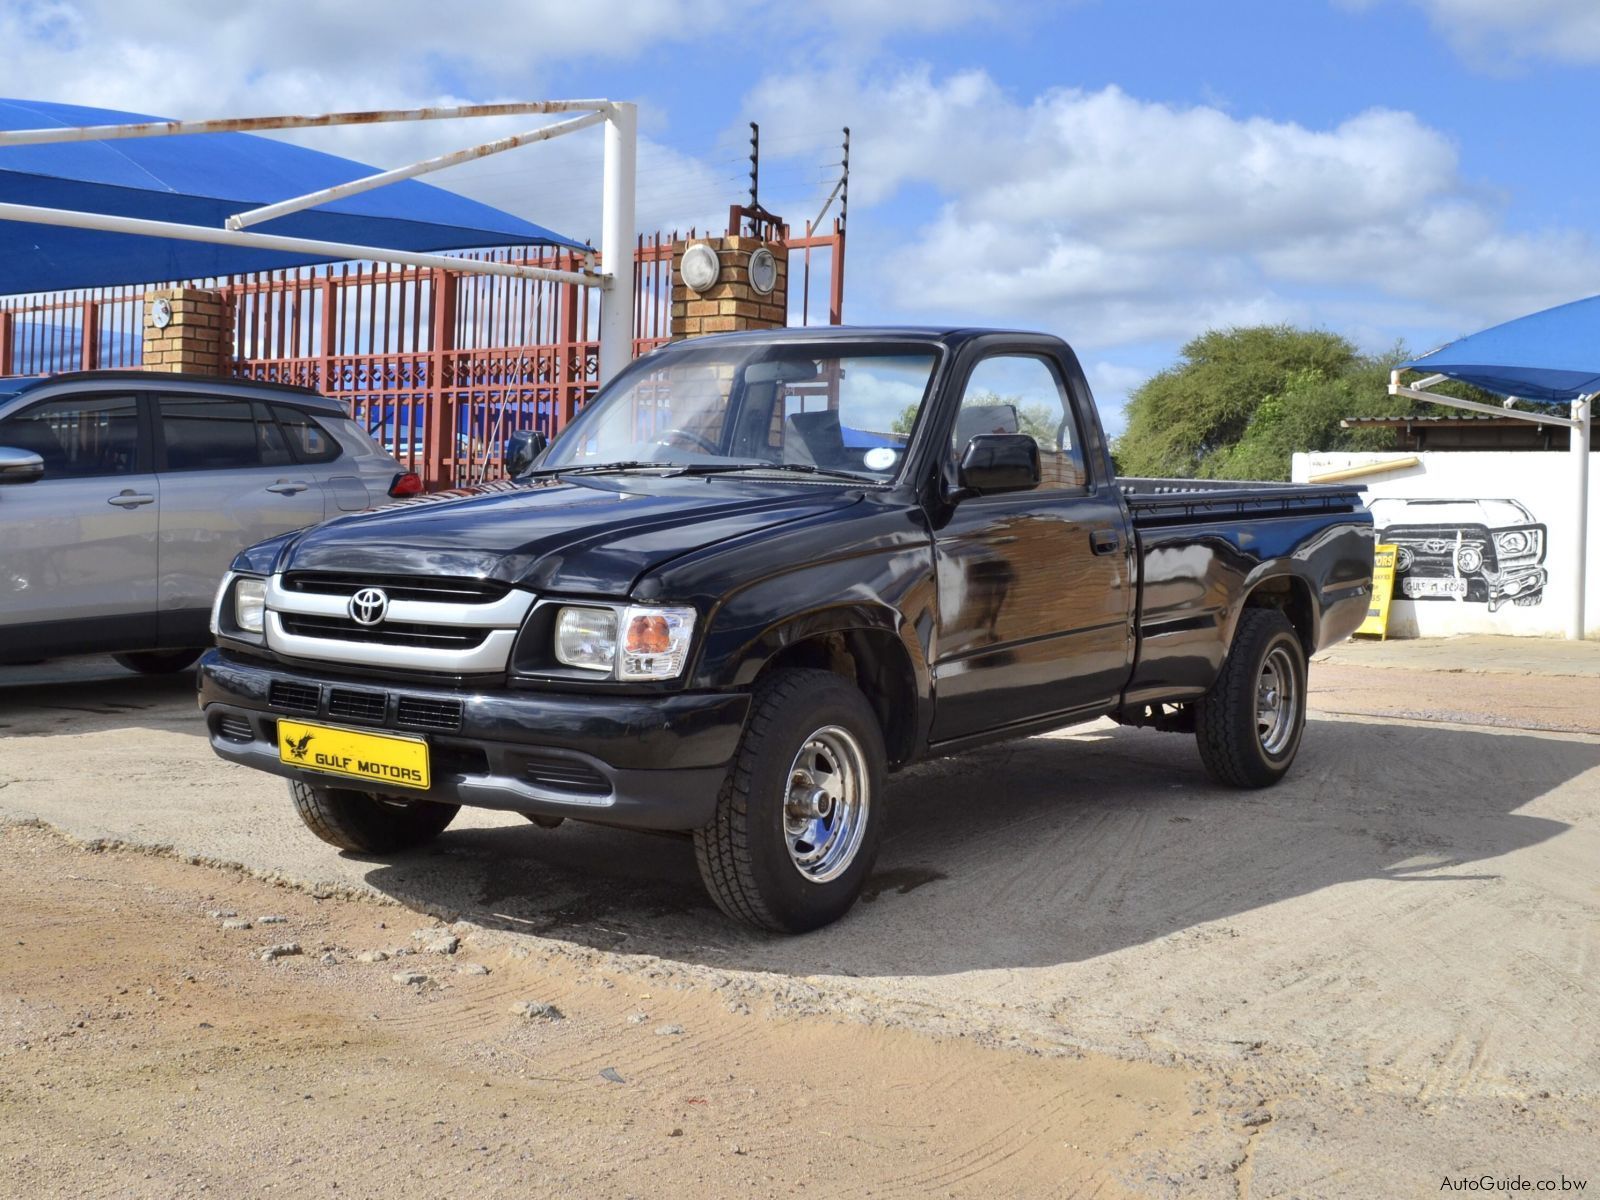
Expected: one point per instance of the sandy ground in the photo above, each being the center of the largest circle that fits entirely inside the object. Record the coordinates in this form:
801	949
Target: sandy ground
1105	976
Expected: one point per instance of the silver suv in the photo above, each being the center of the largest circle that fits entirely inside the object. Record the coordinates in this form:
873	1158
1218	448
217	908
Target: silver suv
128	493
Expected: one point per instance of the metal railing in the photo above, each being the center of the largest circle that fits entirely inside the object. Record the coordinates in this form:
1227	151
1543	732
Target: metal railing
441	367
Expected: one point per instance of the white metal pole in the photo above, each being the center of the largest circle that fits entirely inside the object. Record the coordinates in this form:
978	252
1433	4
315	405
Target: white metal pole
617	238
269	212
71	219
138	129
1582	416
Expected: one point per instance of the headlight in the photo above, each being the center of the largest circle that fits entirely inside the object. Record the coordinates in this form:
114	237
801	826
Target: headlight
632	643
587	638
1515	542
249	604
1469	559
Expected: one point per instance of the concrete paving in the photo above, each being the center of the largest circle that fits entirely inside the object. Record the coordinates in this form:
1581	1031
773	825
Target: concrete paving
1473	654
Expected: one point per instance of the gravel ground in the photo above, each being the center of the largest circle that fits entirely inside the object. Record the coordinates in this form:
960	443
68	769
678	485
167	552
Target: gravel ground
1379	974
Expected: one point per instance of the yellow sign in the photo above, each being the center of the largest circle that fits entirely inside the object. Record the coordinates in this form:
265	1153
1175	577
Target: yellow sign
375	757
1377	622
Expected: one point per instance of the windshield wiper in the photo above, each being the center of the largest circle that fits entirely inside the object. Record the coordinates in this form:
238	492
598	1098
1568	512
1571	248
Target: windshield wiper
595	468
795	468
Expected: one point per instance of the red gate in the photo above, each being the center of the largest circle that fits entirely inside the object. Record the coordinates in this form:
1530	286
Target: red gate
440	367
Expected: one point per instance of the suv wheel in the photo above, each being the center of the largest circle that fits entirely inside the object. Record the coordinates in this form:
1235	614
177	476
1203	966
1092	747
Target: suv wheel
369	824
800	816
156	662
1248	725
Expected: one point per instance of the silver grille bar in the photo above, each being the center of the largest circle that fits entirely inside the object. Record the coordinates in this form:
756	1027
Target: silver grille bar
501	619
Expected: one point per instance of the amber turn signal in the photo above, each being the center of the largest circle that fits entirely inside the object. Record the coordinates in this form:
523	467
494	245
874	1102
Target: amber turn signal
648	634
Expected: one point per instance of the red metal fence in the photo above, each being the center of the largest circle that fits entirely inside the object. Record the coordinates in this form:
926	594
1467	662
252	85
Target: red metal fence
441	367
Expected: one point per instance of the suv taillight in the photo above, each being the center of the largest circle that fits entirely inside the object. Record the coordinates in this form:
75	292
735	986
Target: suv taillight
407	483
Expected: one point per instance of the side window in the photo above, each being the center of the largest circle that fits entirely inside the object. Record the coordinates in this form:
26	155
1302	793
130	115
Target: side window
1017	393
274	445
78	436
309	441
208	433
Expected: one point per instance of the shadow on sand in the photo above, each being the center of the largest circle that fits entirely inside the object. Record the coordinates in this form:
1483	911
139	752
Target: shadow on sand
1041	852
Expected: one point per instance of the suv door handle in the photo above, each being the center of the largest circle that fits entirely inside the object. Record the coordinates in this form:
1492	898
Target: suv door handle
287	487
127	498
1104	541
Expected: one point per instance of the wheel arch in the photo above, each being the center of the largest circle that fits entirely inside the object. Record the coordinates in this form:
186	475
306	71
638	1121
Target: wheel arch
873	656
1291	595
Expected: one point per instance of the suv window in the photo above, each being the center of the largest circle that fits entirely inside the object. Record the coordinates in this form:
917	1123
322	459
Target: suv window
209	433
310	442
1018	393
78	436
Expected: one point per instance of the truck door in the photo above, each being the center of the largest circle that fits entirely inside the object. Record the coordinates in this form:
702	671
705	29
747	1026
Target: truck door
1034	587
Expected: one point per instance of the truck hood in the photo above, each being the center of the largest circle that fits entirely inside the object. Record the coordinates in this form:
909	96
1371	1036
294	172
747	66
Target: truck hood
588	536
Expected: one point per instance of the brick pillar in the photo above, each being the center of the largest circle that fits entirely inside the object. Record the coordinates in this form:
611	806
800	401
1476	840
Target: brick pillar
731	303
199	338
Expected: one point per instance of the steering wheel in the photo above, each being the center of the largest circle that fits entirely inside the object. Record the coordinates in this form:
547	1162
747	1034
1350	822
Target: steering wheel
694	439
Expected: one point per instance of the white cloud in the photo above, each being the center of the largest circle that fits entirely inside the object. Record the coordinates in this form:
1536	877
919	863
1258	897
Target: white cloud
187	58
1118	220
1491	32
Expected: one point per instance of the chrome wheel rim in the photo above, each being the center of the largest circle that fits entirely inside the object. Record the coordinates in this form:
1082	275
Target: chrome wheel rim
825	807
1277	701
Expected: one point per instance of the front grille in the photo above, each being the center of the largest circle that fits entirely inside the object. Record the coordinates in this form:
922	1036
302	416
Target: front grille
294	697
388	633
442	590
357	706
421	713
235	728
565	775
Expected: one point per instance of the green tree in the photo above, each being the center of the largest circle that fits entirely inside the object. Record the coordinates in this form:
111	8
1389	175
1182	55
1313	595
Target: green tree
1242	402
1204	404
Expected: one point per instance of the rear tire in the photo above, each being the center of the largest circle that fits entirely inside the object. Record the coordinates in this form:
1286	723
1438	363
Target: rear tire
800	816
369	824
156	662
544	822
1248	726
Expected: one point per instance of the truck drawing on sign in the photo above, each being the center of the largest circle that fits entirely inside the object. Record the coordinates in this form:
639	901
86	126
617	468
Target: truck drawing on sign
1478	551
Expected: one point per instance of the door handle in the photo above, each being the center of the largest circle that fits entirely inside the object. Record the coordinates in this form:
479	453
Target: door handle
1104	541
130	499
286	487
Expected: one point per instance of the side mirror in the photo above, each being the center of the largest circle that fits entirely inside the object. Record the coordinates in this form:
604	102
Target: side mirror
999	462
20	466
522	448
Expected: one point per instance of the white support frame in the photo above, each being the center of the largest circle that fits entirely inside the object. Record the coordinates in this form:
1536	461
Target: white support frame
617	197
1581	425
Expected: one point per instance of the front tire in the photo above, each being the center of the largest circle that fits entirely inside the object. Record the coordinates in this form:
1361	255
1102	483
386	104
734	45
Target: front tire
369	824
1248	726
156	662
800	816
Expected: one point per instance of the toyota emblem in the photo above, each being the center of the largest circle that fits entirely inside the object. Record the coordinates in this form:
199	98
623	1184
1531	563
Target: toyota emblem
368	606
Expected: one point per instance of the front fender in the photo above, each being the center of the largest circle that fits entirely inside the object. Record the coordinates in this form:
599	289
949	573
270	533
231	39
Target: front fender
889	594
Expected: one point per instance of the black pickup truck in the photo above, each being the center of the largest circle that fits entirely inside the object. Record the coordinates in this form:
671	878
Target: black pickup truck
757	574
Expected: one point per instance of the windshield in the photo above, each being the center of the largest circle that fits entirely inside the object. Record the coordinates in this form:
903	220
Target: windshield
828	409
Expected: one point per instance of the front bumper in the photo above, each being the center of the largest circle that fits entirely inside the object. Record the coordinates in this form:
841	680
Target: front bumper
645	762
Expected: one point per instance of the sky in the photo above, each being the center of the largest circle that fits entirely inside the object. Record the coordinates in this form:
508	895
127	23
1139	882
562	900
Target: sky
1124	173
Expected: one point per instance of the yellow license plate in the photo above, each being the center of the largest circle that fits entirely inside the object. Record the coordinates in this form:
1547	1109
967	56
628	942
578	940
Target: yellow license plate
374	757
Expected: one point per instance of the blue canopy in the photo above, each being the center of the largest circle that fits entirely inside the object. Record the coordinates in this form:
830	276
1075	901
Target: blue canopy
1551	356
202	179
